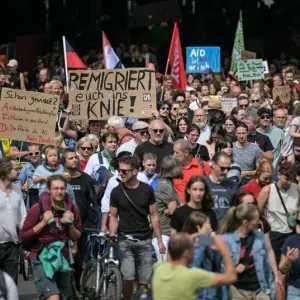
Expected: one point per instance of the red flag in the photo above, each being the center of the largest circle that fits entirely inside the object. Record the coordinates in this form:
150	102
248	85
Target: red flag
176	61
73	60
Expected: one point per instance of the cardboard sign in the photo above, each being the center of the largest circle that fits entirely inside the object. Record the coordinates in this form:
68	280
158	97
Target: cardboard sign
248	55
199	59
283	93
99	94
228	104
28	116
266	66
250	69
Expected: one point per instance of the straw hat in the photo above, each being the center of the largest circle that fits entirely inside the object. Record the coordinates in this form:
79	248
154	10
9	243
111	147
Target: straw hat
214	104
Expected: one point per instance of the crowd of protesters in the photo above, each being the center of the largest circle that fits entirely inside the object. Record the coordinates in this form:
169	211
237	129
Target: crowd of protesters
212	197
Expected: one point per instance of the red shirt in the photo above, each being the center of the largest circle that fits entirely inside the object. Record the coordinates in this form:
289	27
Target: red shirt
190	170
253	186
82	164
47	235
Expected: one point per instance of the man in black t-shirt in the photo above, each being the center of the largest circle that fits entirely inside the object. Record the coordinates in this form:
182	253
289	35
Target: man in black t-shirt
131	202
156	144
82	185
261	140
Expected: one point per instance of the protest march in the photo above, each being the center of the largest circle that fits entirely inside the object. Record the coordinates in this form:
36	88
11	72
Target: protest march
123	179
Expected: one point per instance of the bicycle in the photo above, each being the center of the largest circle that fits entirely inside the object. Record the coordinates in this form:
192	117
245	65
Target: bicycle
101	278
24	264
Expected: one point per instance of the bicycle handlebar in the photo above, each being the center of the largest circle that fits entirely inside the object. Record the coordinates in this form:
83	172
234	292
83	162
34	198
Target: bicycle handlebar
98	234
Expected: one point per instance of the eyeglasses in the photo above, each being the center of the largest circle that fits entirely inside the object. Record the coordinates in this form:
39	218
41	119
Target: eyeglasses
142	132
124	171
165	108
266	117
244	105
157	130
182	114
255	101
37	153
223	168
86	148
175	108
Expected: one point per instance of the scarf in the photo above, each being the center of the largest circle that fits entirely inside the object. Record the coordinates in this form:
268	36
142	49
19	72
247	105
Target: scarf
109	157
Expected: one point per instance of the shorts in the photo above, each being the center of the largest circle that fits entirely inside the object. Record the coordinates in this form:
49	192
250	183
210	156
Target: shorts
136	260
46	287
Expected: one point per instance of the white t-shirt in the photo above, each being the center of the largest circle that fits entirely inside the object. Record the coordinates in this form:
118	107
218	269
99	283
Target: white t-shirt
112	183
93	165
128	146
204	136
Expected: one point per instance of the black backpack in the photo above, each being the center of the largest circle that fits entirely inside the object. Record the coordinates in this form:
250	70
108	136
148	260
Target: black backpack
3	289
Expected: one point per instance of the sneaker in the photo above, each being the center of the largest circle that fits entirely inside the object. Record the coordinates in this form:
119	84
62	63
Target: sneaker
66	221
51	221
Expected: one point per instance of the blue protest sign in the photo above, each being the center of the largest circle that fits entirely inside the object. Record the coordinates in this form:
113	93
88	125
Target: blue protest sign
199	59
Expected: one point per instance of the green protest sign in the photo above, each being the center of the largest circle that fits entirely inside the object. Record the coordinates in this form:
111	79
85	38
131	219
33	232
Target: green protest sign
250	69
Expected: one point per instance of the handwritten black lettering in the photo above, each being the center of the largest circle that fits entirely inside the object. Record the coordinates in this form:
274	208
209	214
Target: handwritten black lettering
141	76
132	79
83	81
108	83
90	111
74	78
13	95
120	108
119	82
78	97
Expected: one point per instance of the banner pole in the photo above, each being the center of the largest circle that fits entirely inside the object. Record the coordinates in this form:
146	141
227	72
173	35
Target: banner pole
163	87
66	64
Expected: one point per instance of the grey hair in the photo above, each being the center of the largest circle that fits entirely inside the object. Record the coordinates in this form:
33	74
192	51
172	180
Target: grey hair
157	121
93	138
170	168
281	109
185	145
115	121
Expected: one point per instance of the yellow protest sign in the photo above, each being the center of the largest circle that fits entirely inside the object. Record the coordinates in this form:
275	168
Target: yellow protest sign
28	116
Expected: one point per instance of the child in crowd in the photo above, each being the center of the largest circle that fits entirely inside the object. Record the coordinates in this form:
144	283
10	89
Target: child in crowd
149	164
50	166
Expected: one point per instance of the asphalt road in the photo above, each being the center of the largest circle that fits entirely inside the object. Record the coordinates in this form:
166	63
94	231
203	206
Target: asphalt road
27	289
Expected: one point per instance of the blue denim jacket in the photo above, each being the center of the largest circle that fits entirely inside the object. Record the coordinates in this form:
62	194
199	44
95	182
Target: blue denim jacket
261	259
208	260
26	174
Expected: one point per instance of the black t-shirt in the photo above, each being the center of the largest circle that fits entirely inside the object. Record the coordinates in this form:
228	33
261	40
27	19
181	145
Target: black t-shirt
181	213
200	151
160	151
131	221
262	140
247	280
84	192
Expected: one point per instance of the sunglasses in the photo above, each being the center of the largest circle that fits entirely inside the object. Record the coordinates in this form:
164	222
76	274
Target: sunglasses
165	108
223	168
254	101
86	148
266	117
123	171
244	105
175	108
37	153
142	132
158	130
180	115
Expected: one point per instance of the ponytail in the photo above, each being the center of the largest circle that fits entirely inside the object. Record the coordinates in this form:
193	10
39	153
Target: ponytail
229	221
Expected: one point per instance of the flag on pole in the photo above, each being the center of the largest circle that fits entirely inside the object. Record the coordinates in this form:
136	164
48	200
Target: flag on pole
175	59
111	60
239	45
73	61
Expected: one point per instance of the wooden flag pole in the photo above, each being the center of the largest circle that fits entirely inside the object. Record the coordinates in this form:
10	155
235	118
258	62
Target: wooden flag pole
163	87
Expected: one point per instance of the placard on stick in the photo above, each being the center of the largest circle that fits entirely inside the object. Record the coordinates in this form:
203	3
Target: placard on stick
228	104
248	55
96	95
28	116
283	93
250	69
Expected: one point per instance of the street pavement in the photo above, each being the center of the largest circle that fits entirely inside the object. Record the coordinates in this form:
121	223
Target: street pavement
26	289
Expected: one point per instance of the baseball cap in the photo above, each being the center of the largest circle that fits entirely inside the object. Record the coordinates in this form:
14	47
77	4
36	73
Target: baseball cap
139	125
263	110
12	63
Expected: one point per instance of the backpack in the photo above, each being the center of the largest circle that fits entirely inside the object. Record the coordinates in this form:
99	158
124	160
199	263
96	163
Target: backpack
34	242
3	288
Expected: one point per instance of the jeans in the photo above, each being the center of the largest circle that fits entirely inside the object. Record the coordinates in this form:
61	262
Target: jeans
293	293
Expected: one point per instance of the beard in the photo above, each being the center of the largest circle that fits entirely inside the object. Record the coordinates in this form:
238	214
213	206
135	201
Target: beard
201	125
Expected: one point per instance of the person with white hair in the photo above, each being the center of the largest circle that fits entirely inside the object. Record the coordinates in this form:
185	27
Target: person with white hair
116	125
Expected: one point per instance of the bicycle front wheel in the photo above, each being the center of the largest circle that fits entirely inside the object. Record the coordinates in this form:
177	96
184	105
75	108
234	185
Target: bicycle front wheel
114	284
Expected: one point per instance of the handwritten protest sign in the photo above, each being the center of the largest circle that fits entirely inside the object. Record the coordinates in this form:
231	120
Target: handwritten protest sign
250	69
283	93
248	55
228	104
96	95
199	59
28	116
266	66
